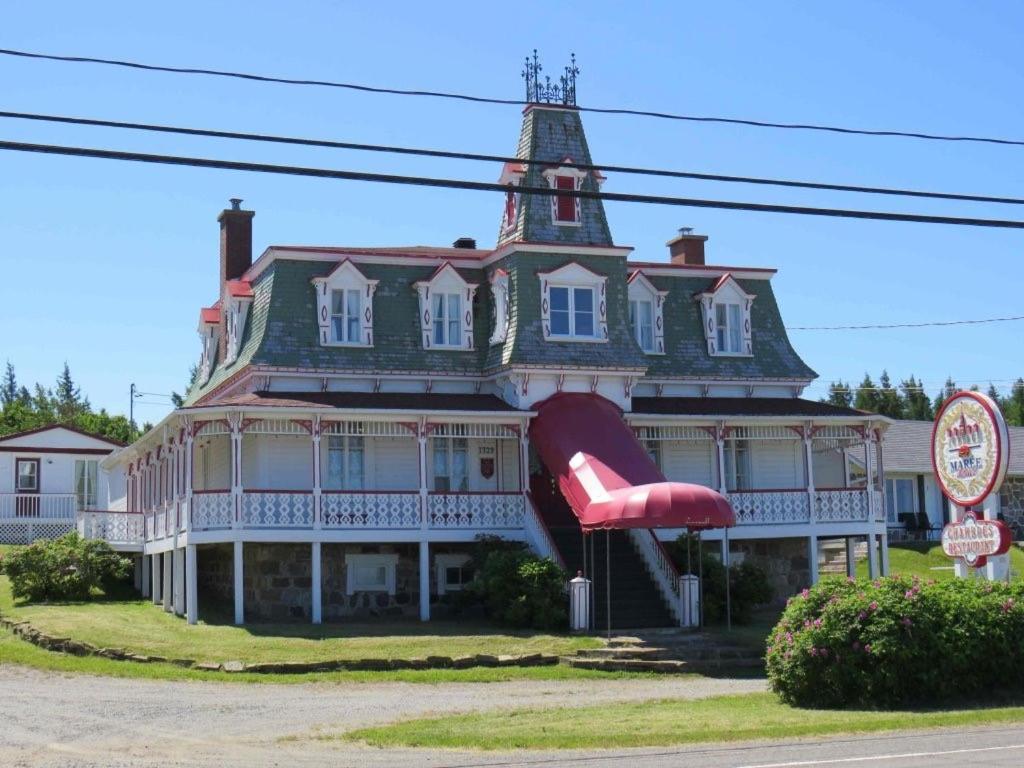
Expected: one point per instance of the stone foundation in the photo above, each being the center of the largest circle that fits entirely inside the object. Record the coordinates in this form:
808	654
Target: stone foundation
1011	497
277	581
784	560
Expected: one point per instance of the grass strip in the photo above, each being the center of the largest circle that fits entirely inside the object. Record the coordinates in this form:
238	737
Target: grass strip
660	723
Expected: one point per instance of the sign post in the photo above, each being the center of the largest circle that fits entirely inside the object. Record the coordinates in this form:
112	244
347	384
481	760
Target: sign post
970	453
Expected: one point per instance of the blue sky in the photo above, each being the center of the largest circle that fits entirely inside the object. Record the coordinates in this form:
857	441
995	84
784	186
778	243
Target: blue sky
105	265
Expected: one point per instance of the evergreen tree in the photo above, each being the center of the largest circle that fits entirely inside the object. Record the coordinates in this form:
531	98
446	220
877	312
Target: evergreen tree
9	386
948	390
993	393
867	396
1013	406
68	401
917	405
193	374
889	401
839	393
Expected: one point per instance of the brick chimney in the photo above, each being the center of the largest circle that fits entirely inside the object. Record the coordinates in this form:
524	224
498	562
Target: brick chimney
687	248
235	242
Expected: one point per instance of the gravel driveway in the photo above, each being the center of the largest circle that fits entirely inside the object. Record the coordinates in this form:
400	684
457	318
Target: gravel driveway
52	719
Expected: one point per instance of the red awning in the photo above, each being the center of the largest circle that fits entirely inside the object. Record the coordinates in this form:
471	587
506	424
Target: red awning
606	475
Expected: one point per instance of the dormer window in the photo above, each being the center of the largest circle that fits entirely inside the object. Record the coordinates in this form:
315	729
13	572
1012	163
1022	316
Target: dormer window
725	309
565	209
646	317
573	304
446	310
447	320
345	315
237	300
209	335
499	305
344	305
511	176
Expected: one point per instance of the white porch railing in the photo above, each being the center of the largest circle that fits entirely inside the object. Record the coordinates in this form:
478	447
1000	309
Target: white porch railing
210	511
539	536
767	507
115	528
841	506
475	510
48	506
277	509
370	509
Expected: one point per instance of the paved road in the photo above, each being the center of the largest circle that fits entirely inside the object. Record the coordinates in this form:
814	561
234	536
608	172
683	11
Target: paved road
52	720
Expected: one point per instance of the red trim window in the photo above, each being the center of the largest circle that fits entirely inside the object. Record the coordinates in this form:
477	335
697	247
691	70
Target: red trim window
565	207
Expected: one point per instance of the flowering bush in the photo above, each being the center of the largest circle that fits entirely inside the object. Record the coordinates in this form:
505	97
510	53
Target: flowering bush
897	641
68	568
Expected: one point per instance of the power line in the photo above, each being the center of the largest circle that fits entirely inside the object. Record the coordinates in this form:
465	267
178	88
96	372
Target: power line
362	147
513	102
904	325
480	186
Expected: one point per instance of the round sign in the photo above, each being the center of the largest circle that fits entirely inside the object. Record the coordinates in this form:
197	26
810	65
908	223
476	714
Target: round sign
970	448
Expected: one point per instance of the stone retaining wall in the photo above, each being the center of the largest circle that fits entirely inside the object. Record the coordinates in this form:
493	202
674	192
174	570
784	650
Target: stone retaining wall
1011	499
784	560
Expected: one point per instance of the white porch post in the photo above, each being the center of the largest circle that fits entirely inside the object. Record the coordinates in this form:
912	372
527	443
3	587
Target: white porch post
812	540
239	589
235	424
158	571
883	546
851	556
424	581
168	588
812	558
189	458
421	444
872	554
317	486
179	581
146	578
191	584
317	597
720	454
524	460
137	572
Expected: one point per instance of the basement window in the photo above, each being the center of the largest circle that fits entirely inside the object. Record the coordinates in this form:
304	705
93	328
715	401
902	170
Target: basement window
370	573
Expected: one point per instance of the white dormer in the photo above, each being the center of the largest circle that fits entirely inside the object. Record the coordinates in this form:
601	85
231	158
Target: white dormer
725	309
565	211
344	307
500	304
646	314
573	304
235	304
446	310
209	336
511	177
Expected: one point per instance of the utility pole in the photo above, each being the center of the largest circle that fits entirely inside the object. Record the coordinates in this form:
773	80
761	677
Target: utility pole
131	409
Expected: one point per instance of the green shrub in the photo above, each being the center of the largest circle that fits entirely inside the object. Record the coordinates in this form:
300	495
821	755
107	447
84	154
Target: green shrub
898	641
749	586
65	569
518	588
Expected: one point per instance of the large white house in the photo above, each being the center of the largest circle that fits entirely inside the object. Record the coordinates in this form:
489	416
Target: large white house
48	475
363	414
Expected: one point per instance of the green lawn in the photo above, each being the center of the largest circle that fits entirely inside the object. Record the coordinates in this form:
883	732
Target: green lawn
660	723
926	559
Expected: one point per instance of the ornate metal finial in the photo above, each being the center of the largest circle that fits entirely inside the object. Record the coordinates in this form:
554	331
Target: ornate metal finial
561	92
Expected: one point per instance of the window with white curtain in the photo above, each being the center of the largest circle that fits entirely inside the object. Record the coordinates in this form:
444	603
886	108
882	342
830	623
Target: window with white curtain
447	320
85	483
729	327
345	463
345	311
641	319
737	465
451	464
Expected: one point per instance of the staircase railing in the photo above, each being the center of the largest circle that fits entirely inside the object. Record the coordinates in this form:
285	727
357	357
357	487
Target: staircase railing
539	536
661	567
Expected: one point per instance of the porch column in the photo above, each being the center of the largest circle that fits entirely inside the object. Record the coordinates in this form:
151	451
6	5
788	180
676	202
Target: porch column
720	454
189	458
318	606
812	558
421	443
812	512
239	589
179	581
315	428
883	548
165	593
851	556
137	572
235	424
158	571
191	584
424	581
872	554
524	461
146	575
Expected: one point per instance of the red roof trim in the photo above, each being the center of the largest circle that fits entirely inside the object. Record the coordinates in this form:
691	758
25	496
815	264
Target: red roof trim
209	315
239	289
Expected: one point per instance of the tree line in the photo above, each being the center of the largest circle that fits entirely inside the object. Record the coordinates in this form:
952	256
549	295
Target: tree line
910	401
22	409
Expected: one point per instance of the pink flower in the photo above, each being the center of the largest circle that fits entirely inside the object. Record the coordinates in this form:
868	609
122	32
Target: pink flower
873	606
909	594
867	648
1008	605
789	637
805	593
906	622
817	622
861	616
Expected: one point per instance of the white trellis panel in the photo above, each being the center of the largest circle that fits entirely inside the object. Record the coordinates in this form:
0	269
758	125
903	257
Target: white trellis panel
840	506
476	510
370	510
273	509
765	507
209	511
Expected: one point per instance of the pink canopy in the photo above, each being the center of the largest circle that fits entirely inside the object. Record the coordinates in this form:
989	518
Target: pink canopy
606	475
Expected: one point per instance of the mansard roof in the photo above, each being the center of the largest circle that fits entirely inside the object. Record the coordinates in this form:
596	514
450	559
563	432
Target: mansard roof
369	401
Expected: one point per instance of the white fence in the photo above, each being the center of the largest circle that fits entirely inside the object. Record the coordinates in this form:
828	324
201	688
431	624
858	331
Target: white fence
372	509
46	506
476	510
119	529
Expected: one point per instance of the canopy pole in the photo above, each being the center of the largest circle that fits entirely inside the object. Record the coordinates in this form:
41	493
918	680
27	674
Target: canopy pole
728	575
608	579
700	576
593	586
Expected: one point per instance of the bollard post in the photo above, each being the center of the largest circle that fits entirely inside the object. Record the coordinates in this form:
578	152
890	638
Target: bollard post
579	603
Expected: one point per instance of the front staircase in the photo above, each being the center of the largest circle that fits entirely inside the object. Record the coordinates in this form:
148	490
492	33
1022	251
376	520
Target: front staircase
636	600
673	651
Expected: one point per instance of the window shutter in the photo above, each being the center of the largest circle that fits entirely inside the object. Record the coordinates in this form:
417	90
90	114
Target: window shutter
565	207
